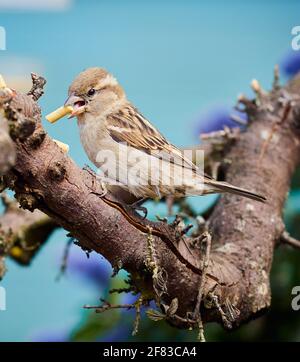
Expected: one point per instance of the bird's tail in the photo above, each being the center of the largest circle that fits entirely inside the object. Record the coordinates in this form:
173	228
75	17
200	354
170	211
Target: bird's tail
220	187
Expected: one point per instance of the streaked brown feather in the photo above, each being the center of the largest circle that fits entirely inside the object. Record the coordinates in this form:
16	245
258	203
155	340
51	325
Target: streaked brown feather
128	125
140	134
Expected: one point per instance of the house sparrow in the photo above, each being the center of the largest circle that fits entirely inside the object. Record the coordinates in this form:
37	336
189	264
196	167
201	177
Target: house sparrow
110	125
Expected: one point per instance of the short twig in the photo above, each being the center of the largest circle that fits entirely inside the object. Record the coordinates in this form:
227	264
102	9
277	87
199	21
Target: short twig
38	84
201	336
197	313
233	311
260	93
137	320
246	102
150	259
276	84
64	263
237	119
186	229
207	238
158	274
180	232
286	238
161	219
226	133
107	306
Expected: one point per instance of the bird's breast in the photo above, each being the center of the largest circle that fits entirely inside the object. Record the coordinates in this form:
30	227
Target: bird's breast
92	134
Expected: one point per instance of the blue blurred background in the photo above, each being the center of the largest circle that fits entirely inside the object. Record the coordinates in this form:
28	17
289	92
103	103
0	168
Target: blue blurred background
182	63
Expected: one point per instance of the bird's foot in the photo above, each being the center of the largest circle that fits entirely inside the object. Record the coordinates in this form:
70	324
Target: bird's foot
136	206
87	168
98	177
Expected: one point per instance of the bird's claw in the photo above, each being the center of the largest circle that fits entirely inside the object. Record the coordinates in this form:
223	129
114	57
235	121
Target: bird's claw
136	206
102	183
143	209
87	168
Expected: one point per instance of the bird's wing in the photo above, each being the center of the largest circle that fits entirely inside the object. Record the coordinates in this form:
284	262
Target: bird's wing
128	125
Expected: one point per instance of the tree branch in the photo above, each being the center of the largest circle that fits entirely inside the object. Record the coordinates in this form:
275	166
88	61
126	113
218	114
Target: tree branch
286	238
244	233
7	148
22	233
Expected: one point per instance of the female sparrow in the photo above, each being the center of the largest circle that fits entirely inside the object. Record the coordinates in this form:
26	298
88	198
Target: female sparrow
129	149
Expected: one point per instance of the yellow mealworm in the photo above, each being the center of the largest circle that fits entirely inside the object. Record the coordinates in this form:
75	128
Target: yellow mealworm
58	113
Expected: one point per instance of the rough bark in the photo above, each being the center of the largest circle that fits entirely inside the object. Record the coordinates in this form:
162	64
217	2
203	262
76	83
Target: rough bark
244	232
22	233
7	148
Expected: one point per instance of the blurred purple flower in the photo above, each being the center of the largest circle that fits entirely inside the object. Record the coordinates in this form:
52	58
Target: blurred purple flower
215	119
290	64
128	298
94	268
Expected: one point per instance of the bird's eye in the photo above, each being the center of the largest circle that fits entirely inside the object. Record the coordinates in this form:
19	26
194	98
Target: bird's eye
91	92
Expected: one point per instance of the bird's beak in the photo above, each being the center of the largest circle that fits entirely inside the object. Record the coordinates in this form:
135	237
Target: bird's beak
77	103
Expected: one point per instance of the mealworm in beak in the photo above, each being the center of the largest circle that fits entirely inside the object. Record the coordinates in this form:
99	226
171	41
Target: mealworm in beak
59	113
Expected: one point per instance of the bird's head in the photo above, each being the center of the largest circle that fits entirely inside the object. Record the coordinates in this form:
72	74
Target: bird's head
93	92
